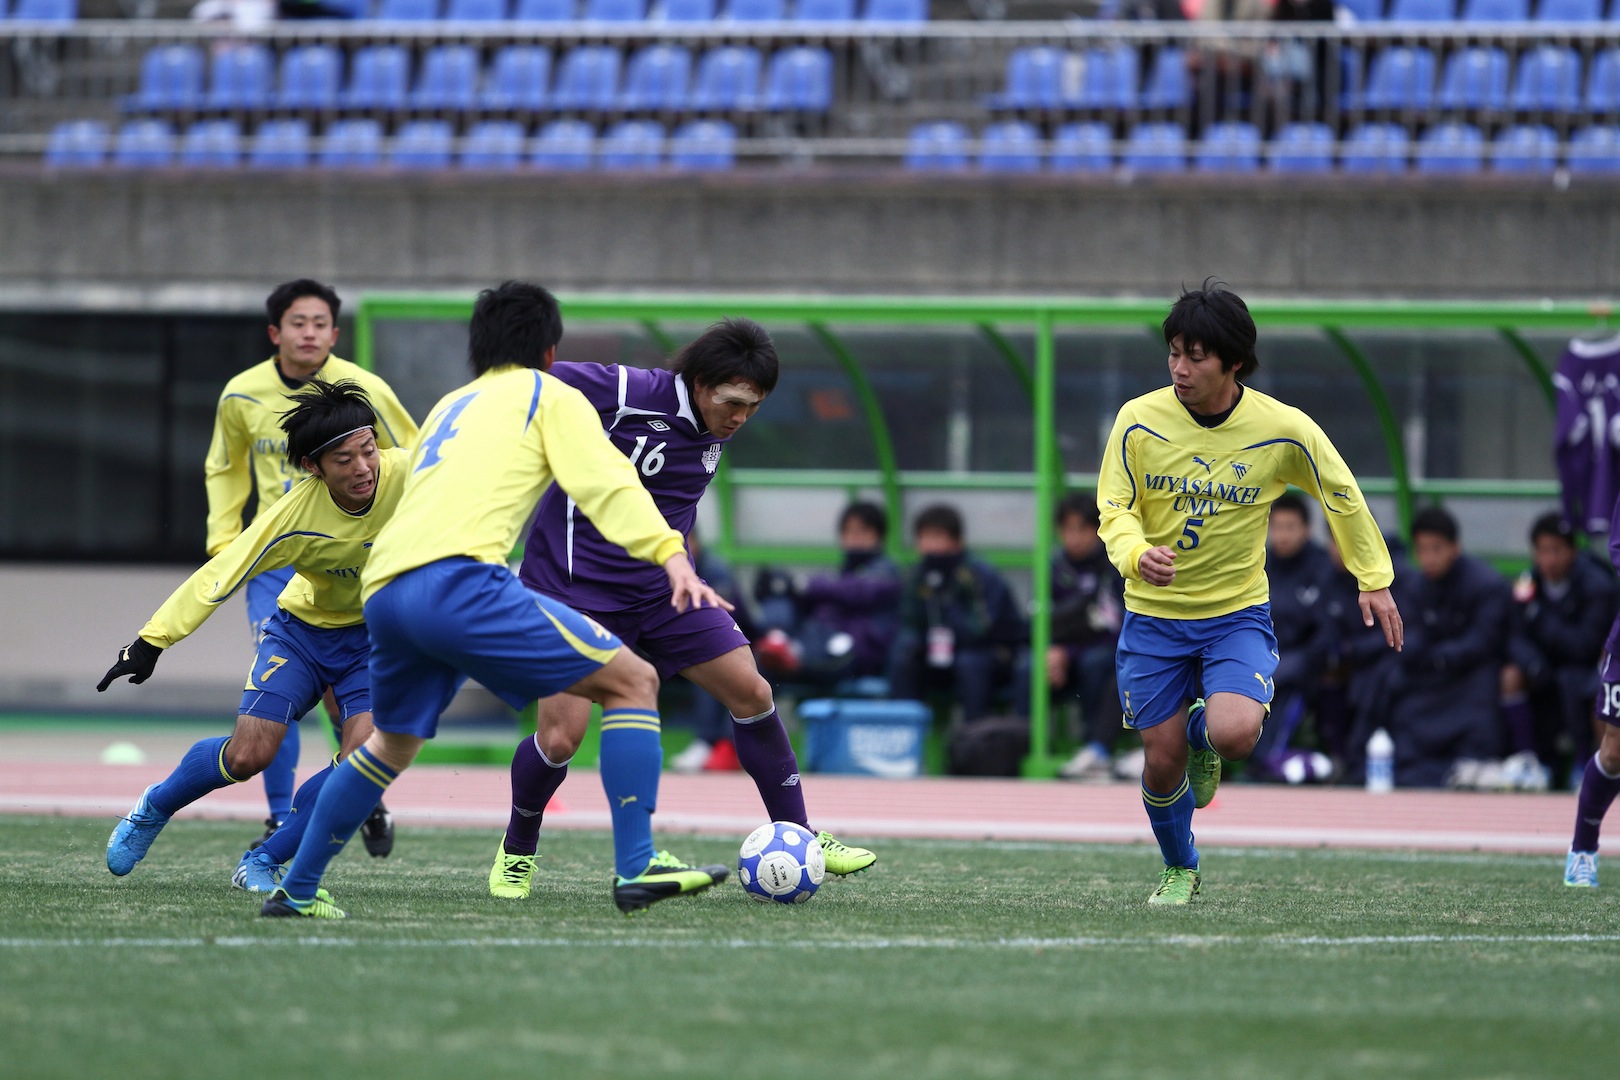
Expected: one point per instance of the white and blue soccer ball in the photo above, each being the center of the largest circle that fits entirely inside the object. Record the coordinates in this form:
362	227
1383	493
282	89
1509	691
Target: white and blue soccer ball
781	861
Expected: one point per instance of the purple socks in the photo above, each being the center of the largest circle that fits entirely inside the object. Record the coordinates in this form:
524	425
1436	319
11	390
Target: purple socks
535	778
767	756
1598	790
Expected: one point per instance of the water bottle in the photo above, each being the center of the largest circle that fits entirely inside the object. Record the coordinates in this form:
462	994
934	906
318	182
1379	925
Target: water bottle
1380	763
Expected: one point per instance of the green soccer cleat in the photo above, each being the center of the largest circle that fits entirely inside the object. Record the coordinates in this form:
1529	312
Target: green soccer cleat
282	906
842	860
512	876
1580	870
665	877
1203	776
1177	885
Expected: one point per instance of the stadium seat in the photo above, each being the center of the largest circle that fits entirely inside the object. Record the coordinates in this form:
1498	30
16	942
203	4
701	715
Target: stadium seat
1156	147
1501	11
1302	148
422	144
1451	148
171	78
1548	80
448	79
543	10
517	79
1363	10
937	146
1603	83
616	10
1038	77
1422	10
728	79
352	144
493	146
407	10
1401	77
212	144
689	11
310	77
280	144
475	11
704	146
824	11
1376	148
910	11
588	78
1527	148
1595	150
1475	78
240	78
1083	147
799	79
144	144
657	79
1231	147
756	10
1108	78
1168	86
632	145
77	144
379	78
564	144
1565	11
1011	146
46	10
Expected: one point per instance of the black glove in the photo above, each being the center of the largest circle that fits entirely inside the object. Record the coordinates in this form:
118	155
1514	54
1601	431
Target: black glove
137	659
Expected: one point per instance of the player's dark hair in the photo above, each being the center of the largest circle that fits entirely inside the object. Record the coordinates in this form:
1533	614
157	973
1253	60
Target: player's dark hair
730	350
325	412
288	292
1434	520
870	514
1552	524
940	517
514	323
1291	503
1080	504
1219	320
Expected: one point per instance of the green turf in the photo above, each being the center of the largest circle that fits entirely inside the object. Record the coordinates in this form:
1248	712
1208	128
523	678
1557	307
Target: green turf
946	960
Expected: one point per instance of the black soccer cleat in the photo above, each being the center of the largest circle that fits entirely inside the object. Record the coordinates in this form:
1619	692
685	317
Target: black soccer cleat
664	878
378	832
270	827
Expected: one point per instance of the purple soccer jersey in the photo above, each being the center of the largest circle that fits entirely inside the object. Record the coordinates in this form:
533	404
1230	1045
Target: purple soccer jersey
1586	441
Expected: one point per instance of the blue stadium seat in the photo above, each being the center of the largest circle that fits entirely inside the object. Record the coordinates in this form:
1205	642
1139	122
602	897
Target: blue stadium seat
1156	147
588	78
493	146
1011	146
1168	86
616	10
171	78
475	11
824	11
1502	11
1038	77
379	78
1603	83
517	79
448	79
46	10
1108	78
564	144
799	79
240	78
657	79
1401	77
407	10
352	144
1595	150
1302	148
1527	148
144	144
1083	147
1422	10
77	144
910	11
280	144
704	146
544	10
756	10
1451	148
632	145
422	144
212	144
937	146
1364	10
1475	78
728	79
1569	11
1231	147
689	11
310	77
1376	148
1548	80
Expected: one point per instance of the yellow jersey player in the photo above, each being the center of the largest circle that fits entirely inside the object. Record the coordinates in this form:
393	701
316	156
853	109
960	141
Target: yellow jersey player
323	530
1187	479
247	458
441	604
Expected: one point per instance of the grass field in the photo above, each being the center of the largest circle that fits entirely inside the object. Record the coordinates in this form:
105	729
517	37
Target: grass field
946	960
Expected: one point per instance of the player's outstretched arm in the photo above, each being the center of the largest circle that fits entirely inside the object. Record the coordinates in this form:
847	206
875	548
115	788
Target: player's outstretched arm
137	660
1379	606
687	590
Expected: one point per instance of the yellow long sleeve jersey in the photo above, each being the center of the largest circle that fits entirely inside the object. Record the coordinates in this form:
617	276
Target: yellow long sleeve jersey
488	451
325	544
1207	492
248	451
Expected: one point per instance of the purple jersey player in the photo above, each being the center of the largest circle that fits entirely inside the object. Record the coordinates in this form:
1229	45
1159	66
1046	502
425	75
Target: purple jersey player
673	426
1600	782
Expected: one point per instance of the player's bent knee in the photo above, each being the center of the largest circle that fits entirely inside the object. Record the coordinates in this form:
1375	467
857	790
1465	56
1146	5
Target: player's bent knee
754	698
393	749
246	760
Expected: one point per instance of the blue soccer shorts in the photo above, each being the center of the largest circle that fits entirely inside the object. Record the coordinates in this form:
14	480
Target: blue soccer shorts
1164	664
295	663
440	624
262	593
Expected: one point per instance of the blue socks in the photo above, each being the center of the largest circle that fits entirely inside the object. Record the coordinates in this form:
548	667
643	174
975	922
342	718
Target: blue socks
1198	729
351	793
1171	817
283	844
200	771
631	756
278	775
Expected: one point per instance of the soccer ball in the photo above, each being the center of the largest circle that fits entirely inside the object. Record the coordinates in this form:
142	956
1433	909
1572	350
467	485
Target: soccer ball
781	861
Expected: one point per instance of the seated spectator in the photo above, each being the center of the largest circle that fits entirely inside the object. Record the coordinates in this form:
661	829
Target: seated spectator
1444	706
684	704
959	624
1562	609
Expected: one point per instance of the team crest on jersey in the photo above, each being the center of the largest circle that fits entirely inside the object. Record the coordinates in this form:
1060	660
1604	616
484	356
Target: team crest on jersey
1239	469
658	425
711	458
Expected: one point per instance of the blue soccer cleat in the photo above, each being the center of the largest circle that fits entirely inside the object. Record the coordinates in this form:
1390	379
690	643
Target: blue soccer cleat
133	836
257	872
1580	870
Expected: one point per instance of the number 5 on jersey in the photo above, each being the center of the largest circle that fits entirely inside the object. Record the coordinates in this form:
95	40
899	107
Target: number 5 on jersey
1189	538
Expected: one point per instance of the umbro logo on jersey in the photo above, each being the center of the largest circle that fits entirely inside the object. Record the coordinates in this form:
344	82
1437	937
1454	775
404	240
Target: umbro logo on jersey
658	425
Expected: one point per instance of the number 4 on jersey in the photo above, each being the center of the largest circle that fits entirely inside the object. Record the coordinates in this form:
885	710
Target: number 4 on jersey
443	431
